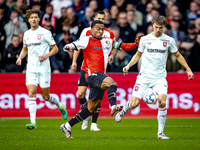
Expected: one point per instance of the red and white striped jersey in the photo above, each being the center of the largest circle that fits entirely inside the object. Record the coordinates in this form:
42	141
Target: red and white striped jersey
87	32
95	52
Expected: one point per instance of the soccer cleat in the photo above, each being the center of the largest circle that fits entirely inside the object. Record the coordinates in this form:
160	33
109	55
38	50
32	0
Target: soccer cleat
31	126
65	131
119	116
84	125
94	127
116	110
162	136
63	112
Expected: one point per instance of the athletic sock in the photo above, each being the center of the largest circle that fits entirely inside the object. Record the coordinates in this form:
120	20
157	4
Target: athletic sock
112	95
83	102
127	106
32	109
80	116
95	115
54	100
162	115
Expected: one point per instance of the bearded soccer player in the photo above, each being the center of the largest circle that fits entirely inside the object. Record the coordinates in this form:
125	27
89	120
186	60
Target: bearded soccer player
154	49
96	50
36	43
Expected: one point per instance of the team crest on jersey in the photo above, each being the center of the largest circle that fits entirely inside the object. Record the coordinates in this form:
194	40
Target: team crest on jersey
107	42
39	37
164	44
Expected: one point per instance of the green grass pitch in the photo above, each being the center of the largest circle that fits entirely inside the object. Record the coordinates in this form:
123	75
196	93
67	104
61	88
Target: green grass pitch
130	134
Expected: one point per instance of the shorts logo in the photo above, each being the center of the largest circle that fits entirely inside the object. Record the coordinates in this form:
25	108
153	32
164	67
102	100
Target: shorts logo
136	88
39	37
164	44
46	81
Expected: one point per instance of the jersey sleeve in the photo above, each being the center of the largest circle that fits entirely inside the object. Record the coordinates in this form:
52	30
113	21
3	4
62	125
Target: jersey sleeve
49	38
173	48
81	43
141	46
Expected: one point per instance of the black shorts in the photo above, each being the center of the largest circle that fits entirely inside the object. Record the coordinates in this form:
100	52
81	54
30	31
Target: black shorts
94	81
81	80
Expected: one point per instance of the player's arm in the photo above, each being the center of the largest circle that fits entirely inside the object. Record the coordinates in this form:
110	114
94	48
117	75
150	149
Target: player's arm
127	46
75	57
133	61
112	55
53	51
182	61
23	53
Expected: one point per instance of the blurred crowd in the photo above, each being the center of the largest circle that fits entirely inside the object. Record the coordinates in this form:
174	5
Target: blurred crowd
126	18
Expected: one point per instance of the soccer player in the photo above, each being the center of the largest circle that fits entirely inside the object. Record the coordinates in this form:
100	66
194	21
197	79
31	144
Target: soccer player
96	50
36	43
82	84
154	49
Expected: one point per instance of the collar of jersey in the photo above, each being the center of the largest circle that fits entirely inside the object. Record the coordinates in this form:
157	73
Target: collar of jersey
97	38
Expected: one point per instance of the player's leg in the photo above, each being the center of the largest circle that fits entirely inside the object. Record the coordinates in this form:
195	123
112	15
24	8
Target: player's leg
160	87
44	81
138	89
82	88
80	116
32	90
95	116
32	83
111	85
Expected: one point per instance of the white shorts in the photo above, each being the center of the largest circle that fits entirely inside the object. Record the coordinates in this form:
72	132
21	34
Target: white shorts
41	78
159	85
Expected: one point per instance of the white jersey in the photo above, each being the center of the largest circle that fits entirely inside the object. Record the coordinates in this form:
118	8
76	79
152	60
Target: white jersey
154	57
38	43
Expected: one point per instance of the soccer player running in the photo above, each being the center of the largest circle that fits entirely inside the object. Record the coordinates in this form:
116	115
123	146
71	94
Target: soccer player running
96	50
36	43
82	84
154	49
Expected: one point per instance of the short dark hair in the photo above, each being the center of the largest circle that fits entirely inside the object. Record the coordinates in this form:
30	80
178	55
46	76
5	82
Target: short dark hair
96	22
161	20
100	12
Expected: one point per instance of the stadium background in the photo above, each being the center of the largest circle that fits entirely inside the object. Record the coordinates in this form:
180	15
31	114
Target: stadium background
183	96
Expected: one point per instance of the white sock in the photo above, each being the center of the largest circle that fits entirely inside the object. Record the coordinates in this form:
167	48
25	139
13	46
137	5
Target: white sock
32	109
112	107
162	115
54	100
127	106
67	125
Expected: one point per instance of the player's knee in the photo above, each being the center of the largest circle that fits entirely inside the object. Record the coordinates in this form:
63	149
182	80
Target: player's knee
32	94
81	94
91	110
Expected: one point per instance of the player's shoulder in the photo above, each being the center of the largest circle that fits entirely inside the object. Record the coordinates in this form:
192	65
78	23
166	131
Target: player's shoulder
167	37
106	29
43	30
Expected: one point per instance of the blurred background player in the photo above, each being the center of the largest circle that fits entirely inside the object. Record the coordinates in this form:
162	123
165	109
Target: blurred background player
36	44
82	84
154	49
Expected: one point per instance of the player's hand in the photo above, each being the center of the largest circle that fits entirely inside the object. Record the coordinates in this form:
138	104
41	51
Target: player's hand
19	62
110	59
42	58
74	66
137	40
190	75
67	48
125	70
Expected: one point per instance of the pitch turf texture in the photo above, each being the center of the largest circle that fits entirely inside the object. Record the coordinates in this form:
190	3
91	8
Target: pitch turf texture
134	134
